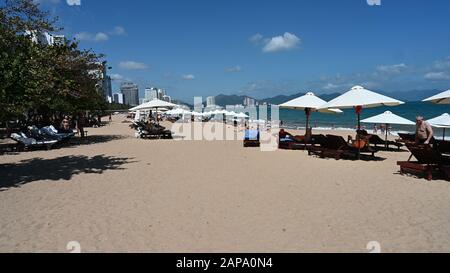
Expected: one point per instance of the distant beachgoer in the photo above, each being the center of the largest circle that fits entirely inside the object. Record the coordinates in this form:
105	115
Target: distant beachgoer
110	117
375	130
424	131
65	124
81	122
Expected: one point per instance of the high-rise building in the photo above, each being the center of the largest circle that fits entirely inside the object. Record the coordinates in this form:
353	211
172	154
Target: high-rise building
130	93
210	101
151	93
45	38
118	98
104	81
167	98
249	102
161	93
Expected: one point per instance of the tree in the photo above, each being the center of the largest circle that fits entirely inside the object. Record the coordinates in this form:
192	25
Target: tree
38	81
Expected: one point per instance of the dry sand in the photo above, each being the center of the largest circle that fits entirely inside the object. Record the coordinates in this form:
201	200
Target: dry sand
122	194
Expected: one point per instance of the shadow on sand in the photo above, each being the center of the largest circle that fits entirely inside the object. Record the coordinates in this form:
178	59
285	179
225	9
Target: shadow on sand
61	168
90	140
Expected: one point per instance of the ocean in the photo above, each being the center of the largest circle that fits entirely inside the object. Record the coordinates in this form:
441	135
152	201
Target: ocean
293	119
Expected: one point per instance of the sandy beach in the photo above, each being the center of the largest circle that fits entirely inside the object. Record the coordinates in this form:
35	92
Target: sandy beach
116	193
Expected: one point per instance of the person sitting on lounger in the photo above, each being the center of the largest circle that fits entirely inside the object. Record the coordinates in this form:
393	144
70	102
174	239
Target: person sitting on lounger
424	131
283	135
65	125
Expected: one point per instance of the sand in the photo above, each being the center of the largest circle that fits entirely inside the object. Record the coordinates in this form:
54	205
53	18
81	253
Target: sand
117	193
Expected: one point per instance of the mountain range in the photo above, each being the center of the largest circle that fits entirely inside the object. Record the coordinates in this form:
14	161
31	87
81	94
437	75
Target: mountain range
406	96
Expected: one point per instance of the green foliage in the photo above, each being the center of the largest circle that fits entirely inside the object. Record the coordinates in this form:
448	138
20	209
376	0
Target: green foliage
41	81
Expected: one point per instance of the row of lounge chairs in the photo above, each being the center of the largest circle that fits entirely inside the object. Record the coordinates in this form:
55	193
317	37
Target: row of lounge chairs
151	130
429	160
46	137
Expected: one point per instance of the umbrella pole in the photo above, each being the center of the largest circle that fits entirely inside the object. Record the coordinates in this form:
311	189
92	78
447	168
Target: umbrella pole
157	119
443	138
358	110
386	140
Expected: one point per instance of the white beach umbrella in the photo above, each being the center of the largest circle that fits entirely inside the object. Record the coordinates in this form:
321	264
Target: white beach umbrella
178	111
388	118
358	98
309	103
241	115
442	98
154	104
442	121
232	113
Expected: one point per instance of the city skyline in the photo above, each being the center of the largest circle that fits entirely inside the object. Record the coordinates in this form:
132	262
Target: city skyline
265	49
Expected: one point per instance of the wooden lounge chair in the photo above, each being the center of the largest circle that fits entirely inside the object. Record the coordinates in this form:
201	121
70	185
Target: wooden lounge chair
406	138
429	160
378	141
298	142
252	138
336	147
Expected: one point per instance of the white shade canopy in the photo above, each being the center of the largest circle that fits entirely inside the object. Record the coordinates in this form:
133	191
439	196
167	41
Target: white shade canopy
156	103
359	96
241	115
441	121
219	112
388	118
442	98
197	114
178	111
232	113
310	101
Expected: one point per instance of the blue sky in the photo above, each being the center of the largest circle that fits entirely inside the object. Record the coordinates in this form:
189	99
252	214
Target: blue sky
265	48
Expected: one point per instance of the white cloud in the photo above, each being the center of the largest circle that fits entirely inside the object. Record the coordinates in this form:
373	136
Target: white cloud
285	42
119	31
188	77
100	37
131	65
73	2
117	77
392	69
256	38
236	68
87	36
437	76
442	64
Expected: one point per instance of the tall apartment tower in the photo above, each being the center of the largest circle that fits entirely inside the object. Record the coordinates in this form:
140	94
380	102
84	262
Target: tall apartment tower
210	101
130	93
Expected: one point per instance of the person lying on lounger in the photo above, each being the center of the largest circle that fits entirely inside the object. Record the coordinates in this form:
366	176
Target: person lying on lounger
284	134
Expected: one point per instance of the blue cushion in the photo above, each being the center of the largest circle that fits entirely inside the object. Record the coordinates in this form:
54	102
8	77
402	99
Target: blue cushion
251	135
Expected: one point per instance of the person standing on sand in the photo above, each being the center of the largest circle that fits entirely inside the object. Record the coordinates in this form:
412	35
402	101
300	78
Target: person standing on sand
424	131
81	122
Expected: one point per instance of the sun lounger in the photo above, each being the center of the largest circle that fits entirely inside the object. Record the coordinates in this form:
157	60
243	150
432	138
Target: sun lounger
336	147
406	138
51	133
29	143
429	161
443	146
378	141
153	131
252	138
298	143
